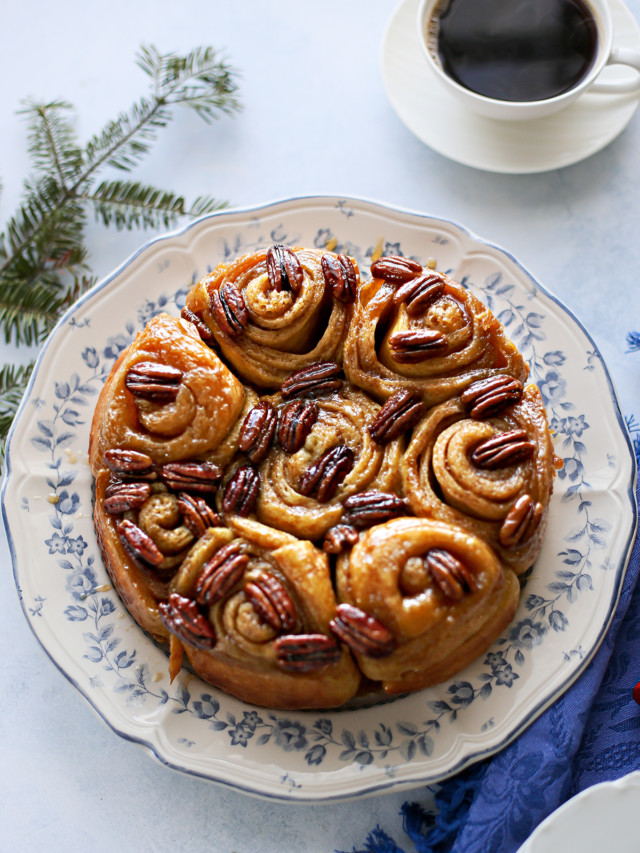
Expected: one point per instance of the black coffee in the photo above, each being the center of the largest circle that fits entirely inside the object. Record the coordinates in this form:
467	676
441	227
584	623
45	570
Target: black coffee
517	50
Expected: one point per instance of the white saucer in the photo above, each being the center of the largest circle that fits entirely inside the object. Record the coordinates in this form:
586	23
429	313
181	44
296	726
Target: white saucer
429	112
604	817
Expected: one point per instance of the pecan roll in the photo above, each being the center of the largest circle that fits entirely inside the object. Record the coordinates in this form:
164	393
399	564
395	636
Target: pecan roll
269	601
476	473
420	600
302	491
205	405
292	318
420	330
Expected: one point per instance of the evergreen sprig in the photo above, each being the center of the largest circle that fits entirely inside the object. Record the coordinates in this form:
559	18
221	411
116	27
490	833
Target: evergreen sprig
44	261
13	378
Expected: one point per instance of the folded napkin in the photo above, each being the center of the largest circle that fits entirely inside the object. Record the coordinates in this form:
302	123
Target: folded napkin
589	735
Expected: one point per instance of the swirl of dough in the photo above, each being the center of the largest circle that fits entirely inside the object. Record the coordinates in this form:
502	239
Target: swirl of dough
381	357
442	481
244	660
343	417
208	402
142	586
285	329
168	419
161	519
386	575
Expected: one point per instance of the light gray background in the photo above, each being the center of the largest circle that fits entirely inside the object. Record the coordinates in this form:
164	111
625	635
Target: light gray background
316	121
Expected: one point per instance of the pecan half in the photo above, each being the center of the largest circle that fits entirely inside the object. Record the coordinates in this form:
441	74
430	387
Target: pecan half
486	397
241	492
296	422
139	545
200	478
401	412
417	345
341	276
419	292
221	573
364	634
122	497
257	431
306	652
129	463
203	330
321	377
284	269
395	269
520	522
324	477
198	515
182	617
272	602
158	383
368	508
228	307
451	575
339	538
502	450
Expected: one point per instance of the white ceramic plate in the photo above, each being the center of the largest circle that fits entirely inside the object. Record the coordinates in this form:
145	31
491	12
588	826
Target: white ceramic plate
81	623
443	124
603	817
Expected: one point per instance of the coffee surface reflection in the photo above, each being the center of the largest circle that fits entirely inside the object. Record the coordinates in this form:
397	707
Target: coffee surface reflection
515	50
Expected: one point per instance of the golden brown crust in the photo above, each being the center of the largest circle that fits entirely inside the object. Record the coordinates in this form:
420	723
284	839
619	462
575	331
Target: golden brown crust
244	659
442	482
208	404
476	344
343	417
432	631
500	610
285	331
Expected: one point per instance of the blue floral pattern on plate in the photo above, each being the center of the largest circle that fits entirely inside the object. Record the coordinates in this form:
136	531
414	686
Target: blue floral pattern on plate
568	597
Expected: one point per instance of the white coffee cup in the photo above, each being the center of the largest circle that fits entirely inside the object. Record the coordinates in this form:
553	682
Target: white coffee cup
606	54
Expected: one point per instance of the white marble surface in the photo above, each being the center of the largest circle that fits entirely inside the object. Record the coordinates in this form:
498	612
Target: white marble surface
315	120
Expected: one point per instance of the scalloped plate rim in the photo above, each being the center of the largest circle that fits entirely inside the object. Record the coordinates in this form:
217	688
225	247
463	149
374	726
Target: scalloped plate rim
387	784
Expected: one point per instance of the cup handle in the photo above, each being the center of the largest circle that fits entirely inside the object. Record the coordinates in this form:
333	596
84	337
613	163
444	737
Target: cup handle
620	56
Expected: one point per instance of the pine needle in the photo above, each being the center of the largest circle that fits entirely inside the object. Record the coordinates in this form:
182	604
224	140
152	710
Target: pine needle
128	204
13	381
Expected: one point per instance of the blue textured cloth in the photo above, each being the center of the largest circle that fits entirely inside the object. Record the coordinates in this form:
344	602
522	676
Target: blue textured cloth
587	736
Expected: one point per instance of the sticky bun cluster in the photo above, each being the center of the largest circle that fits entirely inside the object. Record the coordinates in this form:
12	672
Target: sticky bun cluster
316	486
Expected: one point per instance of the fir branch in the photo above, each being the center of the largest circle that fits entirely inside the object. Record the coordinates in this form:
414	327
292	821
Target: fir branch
200	80
48	228
205	204
123	143
13	380
28	314
43	257
52	143
128	204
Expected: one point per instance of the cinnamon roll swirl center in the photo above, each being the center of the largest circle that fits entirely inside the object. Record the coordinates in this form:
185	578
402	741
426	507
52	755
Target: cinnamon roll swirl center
485	494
